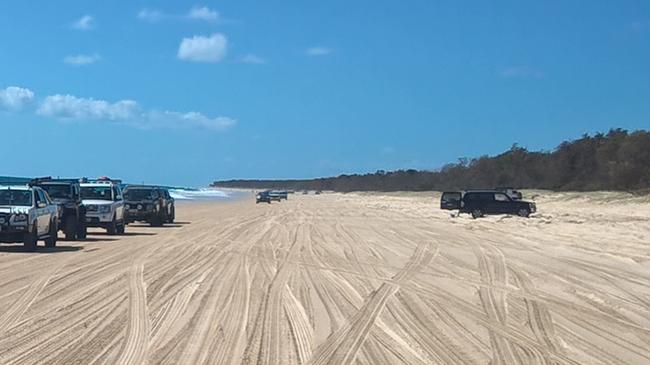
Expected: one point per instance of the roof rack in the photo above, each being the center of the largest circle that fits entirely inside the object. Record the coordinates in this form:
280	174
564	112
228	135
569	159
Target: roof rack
101	180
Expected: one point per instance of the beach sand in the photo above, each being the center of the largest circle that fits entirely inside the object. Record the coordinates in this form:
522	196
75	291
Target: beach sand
341	279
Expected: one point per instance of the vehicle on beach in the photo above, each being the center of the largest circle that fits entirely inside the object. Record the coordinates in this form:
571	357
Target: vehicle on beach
104	204
275	195
151	204
67	194
511	192
479	203
262	197
27	215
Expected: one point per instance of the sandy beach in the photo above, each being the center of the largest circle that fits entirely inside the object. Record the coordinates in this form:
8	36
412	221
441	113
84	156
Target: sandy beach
341	279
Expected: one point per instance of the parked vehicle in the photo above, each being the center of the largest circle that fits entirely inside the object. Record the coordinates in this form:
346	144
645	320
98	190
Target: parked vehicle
262	197
511	192
67	194
151	204
27	215
275	195
104	205
485	202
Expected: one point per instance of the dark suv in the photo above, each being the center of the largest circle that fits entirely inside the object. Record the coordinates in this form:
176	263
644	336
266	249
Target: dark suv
66	194
485	202
150	204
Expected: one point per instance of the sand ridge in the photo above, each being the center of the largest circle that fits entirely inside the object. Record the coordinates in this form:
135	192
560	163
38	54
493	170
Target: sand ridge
341	279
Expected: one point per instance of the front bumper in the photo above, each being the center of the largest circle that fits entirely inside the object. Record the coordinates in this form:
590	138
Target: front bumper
140	214
98	218
12	233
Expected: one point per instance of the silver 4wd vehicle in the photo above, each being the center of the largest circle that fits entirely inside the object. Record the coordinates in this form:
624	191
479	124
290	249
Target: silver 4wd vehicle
27	215
104	205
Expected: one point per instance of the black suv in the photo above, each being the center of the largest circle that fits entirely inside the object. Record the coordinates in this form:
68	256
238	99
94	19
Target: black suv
150	204
484	202
66	194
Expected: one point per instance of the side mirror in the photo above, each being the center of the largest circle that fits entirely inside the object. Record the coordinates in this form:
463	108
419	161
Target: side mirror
42	205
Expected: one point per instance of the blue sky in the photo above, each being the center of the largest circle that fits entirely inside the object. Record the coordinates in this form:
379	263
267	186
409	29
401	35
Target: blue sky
178	92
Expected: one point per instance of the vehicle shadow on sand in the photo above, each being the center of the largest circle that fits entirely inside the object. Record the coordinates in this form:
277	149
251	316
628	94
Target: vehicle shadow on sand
166	225
40	249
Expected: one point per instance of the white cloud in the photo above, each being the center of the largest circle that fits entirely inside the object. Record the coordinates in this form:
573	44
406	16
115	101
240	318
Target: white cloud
253	59
15	98
150	15
319	51
81	59
203	13
203	49
127	112
74	108
86	22
522	72
172	119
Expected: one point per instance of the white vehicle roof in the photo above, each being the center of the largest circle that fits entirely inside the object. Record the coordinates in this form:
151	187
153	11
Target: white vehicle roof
15	187
95	184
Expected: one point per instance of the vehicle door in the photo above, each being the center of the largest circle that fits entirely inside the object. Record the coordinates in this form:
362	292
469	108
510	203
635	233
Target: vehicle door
450	200
43	215
502	203
118	203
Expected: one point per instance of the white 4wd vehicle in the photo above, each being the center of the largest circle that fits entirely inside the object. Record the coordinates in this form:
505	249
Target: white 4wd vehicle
104	205
27	215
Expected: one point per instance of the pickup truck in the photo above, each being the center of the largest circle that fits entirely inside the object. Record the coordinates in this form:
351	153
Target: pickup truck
479	203
104	204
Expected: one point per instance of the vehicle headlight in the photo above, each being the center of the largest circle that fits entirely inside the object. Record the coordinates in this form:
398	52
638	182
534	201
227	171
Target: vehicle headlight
139	206
104	208
20	218
128	206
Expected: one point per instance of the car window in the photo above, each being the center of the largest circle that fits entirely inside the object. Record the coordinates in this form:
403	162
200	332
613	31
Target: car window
501	197
40	197
117	193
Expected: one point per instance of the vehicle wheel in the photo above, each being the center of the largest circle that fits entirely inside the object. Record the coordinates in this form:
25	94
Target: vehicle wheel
120	228
29	241
70	229
173	216
82	231
111	229
523	212
53	235
156	221
477	213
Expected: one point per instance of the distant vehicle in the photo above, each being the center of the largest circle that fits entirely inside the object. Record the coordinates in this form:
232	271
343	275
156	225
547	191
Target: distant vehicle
305	192
151	204
318	192
27	215
511	192
283	194
263	197
67	194
479	203
104	204
275	195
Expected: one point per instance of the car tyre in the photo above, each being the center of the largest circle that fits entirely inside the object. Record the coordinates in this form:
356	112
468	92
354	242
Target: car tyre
111	228
82	231
70	229
120	229
50	241
30	240
477	213
523	212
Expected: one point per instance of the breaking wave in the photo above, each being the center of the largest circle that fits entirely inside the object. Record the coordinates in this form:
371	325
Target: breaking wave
199	194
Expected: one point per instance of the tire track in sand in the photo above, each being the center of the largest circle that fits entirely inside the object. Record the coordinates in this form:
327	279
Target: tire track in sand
134	350
16	310
342	346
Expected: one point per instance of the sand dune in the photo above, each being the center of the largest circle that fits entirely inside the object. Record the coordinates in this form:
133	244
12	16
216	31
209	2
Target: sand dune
342	279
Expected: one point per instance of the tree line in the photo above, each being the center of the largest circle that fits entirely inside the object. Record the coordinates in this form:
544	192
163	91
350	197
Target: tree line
617	160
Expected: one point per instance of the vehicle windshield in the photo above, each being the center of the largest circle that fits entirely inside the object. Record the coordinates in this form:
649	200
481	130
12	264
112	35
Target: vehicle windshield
139	194
16	197
96	192
57	191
